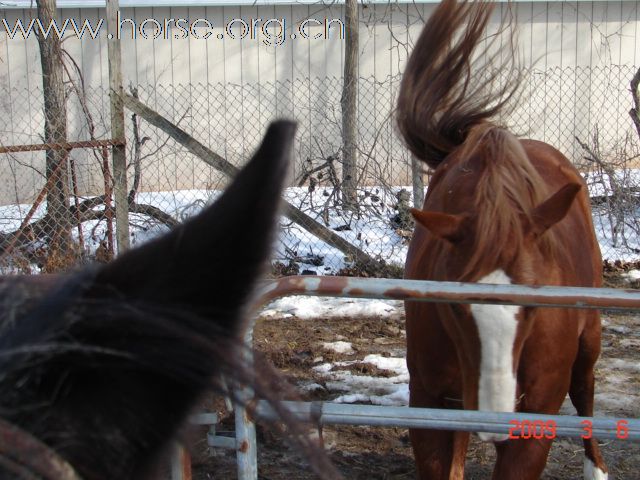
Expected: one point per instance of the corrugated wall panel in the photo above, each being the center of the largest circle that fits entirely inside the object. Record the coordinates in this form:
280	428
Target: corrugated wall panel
226	90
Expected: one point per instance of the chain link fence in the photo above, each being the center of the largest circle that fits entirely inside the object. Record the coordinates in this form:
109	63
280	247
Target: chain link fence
581	111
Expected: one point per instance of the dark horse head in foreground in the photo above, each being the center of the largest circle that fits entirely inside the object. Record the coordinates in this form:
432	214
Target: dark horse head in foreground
498	210
103	366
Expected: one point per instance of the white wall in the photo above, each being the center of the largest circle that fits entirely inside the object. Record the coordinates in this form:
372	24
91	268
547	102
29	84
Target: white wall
555	33
570	37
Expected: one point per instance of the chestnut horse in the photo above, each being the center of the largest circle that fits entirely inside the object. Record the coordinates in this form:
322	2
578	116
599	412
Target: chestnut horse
498	210
101	367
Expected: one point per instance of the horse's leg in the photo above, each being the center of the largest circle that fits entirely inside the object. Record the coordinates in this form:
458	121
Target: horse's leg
544	375
435	382
581	393
521	459
439	454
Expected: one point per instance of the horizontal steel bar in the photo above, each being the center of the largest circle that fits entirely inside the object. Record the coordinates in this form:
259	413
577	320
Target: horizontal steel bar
218	441
451	292
462	420
204	419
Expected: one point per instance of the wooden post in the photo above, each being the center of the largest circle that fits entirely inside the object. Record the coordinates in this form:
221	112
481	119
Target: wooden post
417	171
55	132
119	158
349	103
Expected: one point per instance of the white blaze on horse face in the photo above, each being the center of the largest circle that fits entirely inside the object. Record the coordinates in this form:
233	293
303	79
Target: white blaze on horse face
591	472
497	325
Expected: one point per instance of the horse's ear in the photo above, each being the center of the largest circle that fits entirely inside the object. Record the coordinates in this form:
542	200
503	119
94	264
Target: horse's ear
554	209
209	264
442	225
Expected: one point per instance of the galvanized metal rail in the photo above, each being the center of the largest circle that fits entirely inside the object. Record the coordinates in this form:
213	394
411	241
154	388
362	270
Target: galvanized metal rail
324	413
430	291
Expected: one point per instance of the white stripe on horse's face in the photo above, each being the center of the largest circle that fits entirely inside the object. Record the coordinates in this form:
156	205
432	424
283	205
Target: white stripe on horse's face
497	325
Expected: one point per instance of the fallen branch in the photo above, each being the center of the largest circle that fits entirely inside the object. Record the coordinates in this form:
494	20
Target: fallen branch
221	164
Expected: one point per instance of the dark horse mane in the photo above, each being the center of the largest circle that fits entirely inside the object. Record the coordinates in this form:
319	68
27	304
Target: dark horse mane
446	113
104	365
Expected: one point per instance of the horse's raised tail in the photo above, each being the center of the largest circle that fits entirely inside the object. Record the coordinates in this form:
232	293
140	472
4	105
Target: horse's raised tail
440	100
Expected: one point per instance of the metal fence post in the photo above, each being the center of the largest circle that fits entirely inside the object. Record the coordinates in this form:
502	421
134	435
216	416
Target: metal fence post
246	445
180	463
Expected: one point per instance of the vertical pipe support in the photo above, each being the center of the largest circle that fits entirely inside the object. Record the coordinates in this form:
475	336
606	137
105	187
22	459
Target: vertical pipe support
246	445
180	463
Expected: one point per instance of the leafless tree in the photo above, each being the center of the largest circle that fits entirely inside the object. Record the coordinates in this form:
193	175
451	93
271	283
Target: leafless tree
55	132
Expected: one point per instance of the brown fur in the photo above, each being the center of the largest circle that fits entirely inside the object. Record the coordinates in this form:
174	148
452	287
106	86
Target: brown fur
494	202
507	190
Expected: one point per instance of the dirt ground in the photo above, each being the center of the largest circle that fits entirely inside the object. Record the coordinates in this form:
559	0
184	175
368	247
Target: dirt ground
294	346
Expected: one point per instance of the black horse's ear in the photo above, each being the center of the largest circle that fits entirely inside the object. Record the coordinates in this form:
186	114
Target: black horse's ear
209	263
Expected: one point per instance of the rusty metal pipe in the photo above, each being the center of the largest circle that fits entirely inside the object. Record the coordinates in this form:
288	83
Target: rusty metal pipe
450	292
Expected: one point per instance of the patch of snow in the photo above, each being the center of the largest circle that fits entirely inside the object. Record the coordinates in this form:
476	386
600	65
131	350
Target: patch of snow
632	275
352	398
398	397
392	390
273	312
311	387
339	347
623	364
323	368
323	307
618	328
397	365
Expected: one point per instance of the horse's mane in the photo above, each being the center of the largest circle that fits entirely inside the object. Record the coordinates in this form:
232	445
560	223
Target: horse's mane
507	191
82	428
103	366
447	102
439	102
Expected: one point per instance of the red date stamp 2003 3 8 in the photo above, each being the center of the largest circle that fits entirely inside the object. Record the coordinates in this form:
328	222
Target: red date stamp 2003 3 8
538	429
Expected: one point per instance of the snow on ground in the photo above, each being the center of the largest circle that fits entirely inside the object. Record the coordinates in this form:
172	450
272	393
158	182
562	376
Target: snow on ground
371	230
391	390
339	347
323	307
632	275
618	370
